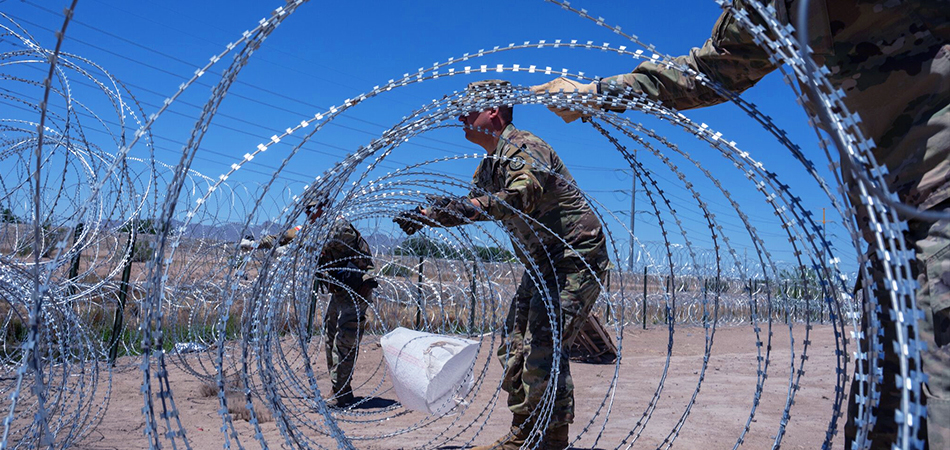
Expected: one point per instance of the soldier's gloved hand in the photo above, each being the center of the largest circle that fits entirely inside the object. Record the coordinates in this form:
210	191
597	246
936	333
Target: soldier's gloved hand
411	221
452	206
282	250
565	85
246	244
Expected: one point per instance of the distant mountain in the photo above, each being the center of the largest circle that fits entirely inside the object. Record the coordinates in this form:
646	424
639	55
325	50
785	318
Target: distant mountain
232	232
383	243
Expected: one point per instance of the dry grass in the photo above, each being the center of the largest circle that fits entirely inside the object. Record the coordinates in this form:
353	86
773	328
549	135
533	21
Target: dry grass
237	402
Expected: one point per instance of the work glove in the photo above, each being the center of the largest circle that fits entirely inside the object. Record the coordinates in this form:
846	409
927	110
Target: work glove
246	244
412	220
451	211
461	206
565	85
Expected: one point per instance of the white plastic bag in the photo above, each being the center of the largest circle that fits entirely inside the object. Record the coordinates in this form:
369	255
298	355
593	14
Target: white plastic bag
430	372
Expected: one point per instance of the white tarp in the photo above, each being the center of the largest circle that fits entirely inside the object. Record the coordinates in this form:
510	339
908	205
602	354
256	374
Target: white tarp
430	372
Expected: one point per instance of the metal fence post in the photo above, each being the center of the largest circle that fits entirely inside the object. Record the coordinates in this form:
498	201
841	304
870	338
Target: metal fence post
312	310
785	295
419	293
751	300
644	297
471	312
705	302
120	308
666	307
74	269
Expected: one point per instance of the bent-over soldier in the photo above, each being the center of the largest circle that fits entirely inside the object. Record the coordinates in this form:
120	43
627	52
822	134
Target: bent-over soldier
524	185
345	269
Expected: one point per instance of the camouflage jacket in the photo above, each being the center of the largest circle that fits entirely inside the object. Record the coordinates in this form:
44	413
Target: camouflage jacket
889	57
525	176
345	245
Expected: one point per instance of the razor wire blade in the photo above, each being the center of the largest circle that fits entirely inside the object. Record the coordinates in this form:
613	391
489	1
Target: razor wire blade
246	320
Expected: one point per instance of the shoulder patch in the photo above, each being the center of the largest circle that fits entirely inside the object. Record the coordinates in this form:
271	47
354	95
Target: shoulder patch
516	163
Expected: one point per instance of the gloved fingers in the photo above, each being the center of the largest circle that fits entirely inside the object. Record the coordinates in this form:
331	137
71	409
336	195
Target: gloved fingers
410	221
556	85
567	115
437	200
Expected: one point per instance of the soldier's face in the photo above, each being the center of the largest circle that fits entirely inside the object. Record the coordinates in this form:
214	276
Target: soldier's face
479	125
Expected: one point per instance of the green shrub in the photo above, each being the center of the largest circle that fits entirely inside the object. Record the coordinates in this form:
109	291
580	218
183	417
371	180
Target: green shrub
142	251
394	270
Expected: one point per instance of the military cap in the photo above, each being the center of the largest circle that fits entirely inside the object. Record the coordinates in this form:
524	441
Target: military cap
484	90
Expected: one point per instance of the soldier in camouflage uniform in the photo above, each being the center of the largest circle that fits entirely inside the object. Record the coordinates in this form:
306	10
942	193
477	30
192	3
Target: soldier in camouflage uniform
345	269
892	59
524	185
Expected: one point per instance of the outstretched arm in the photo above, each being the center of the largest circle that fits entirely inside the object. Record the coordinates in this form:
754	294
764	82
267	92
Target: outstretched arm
730	57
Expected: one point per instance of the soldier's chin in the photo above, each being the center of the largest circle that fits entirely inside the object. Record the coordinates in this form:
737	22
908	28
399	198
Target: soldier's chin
471	135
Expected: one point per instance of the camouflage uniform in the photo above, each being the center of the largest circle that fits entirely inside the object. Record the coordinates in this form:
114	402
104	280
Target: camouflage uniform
345	267
892	59
561	237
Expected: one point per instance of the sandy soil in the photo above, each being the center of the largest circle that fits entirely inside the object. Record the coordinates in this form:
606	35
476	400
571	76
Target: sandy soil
715	421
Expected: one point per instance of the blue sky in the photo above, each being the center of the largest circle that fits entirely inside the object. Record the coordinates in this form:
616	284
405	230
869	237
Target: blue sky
330	51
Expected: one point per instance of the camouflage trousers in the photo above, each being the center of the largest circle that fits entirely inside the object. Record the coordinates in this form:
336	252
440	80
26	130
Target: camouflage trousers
527	352
344	325
931	243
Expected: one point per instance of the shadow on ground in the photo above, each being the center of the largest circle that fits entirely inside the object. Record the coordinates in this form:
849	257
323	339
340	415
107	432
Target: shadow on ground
373	403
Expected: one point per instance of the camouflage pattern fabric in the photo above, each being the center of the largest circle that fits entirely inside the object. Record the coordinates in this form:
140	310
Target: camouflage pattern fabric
562	236
527	353
931	243
527	177
345	319
345	249
892	60
344	325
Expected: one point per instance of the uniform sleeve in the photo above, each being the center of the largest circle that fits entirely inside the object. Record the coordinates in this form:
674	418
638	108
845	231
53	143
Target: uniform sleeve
729	57
524	187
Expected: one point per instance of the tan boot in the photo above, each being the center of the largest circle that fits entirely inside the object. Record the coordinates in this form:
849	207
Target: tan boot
514	439
556	438
341	401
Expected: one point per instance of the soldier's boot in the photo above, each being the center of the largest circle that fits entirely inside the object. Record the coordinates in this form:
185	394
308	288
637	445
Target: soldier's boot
342	398
514	440
556	438
341	401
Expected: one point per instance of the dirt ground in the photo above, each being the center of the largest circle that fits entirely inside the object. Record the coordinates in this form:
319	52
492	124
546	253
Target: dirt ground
639	413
